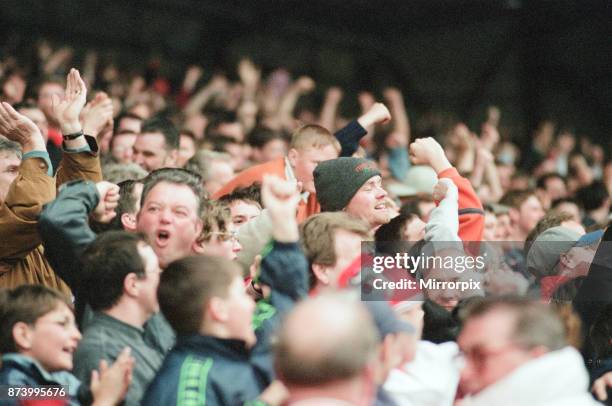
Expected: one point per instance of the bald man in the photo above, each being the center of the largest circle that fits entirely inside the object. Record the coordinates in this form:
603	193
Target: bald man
326	352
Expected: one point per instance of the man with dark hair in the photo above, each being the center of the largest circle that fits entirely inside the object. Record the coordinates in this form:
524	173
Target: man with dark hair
550	187
128	122
225	123
244	204
595	201
508	345
127	209
267	145
567	205
157	144
525	211
121	275
229	145
122	146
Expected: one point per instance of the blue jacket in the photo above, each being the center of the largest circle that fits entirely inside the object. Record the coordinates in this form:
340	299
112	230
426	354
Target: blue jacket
19	370
206	370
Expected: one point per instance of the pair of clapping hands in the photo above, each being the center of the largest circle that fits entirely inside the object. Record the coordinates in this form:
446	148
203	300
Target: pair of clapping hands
71	112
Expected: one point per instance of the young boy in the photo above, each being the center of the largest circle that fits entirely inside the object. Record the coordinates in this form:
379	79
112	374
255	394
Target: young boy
37	340
215	360
210	363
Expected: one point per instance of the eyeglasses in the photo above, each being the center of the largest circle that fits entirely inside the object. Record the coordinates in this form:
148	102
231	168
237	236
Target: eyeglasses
226	236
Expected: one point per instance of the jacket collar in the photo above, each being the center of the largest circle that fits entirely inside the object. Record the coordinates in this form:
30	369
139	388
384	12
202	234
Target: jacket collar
230	348
104	319
291	177
32	368
567	383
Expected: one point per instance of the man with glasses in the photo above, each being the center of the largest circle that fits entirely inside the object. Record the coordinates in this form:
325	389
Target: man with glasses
514	352
219	236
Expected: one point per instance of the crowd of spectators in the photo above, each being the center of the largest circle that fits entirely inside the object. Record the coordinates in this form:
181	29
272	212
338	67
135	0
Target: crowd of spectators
212	242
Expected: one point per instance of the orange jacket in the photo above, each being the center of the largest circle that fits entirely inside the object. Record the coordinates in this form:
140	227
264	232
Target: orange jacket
256	174
471	213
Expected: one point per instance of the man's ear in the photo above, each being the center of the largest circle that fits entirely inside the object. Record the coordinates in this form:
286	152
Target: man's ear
128	221
22	335
130	284
321	272
217	309
198	246
293	156
171	160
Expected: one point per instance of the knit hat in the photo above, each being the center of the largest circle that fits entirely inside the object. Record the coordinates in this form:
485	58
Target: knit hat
545	251
337	180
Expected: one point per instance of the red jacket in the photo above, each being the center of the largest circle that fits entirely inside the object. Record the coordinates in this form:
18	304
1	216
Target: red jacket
256	174
471	213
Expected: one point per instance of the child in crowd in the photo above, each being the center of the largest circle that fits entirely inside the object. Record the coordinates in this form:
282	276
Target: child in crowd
210	362
37	340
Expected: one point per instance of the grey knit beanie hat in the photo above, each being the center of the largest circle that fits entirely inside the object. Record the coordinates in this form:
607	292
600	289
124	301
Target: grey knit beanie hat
337	180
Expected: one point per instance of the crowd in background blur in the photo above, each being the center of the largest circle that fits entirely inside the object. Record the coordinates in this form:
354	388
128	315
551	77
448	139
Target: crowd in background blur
201	178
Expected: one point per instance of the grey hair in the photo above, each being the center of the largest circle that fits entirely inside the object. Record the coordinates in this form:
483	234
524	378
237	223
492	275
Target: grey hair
10	146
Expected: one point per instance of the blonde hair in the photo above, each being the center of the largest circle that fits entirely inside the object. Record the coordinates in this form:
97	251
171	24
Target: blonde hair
216	217
313	136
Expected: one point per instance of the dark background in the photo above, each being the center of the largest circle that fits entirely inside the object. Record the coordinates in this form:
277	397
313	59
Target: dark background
534	59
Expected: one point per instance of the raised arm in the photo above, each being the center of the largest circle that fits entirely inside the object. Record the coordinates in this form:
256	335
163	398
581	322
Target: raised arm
284	270
217	84
427	151
327	118
64	224
350	135
301	86
250	76
401	123
80	160
33	187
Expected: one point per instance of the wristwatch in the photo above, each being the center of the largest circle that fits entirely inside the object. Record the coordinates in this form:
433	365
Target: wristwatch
73	136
